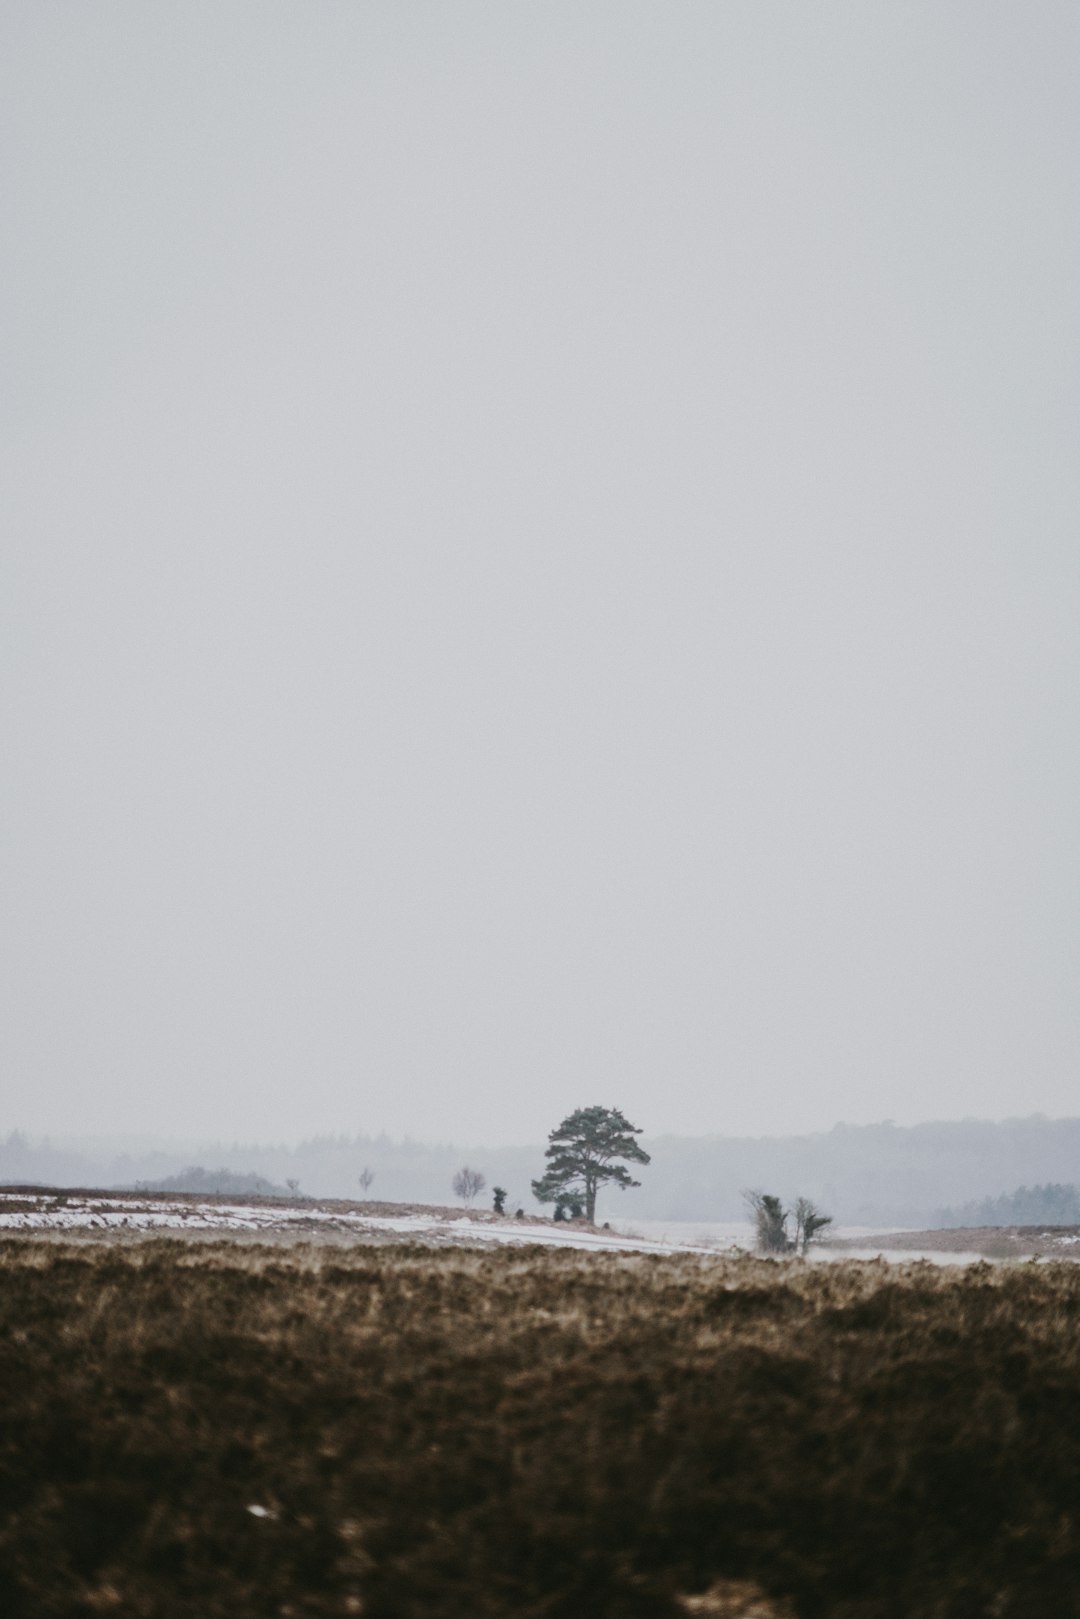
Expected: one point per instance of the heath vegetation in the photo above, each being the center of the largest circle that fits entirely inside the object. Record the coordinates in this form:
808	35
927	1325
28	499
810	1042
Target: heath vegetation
226	1431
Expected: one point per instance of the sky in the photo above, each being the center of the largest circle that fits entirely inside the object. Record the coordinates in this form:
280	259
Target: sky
538	565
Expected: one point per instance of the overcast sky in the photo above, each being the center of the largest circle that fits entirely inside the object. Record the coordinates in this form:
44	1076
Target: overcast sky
540	564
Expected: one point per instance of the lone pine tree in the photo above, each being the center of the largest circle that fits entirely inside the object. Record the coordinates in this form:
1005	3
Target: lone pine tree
582	1155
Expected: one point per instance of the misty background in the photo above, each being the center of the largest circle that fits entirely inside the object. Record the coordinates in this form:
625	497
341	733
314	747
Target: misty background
539	567
968	1172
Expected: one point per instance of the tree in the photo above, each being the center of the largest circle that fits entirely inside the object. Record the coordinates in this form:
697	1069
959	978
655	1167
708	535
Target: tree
809	1220
770	1222
366	1177
467	1183
499	1194
582	1156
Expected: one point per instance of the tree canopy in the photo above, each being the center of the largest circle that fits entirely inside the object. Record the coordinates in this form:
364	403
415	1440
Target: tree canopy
582	1155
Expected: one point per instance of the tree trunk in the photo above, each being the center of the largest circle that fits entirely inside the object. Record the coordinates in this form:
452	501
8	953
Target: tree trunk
590	1202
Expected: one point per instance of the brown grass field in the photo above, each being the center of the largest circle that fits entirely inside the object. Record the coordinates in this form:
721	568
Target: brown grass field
448	1433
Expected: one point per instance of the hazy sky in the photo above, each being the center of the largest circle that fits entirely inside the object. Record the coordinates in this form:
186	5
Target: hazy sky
540	564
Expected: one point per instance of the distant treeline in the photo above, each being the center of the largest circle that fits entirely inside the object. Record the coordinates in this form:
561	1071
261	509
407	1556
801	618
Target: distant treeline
1053	1204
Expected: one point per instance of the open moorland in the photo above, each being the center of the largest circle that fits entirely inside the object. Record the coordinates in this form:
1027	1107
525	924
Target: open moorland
991	1242
224	1429
75	1214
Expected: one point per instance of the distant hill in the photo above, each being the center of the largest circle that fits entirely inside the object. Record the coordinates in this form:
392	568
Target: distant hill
880	1174
227	1182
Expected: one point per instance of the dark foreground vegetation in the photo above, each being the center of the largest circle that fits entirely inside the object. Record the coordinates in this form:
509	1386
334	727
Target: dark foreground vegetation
532	1433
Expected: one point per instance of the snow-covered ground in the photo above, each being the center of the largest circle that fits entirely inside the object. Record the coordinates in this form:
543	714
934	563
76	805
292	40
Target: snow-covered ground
719	1236
330	1221
82	1212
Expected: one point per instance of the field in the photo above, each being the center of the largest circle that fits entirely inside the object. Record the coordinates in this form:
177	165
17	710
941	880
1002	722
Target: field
225	1429
124	1216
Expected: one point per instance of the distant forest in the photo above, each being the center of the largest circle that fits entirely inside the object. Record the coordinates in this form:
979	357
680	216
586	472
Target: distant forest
873	1175
1050	1205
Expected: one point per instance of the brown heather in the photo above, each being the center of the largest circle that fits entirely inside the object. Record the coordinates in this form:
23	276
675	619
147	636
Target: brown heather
532	1433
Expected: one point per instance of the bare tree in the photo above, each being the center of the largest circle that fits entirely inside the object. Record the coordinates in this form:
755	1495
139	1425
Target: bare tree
294	1187
365	1177
467	1183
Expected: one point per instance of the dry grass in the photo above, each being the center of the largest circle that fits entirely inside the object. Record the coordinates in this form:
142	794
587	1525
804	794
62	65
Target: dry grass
532	1433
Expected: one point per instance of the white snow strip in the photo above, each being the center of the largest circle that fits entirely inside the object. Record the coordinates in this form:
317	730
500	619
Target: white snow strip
49	1212
105	1213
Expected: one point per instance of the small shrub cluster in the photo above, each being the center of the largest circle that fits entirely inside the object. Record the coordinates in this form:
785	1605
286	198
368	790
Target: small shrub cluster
241	1432
784	1231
